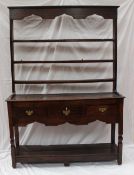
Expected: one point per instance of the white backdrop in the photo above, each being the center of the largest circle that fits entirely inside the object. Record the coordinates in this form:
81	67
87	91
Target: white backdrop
94	132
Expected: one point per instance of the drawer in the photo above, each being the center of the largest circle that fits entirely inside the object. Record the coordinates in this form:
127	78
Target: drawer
29	110
66	112
106	113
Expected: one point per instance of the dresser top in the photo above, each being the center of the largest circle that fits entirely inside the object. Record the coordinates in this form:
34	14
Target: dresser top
62	6
70	96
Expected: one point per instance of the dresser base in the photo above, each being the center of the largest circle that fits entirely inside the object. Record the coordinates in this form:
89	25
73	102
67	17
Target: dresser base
54	110
67	153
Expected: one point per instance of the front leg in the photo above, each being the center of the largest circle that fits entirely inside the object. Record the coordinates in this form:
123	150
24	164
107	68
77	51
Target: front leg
113	133
120	150
11	128
13	153
120	134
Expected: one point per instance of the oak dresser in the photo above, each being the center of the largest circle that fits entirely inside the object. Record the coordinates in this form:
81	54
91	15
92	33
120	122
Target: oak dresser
74	108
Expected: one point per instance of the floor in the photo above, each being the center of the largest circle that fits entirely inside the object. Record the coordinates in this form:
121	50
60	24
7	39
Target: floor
104	168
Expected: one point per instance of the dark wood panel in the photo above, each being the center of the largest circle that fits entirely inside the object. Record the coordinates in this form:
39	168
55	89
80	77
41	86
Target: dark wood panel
50	12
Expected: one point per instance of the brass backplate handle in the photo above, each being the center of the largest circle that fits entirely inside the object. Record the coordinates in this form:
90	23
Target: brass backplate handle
66	111
102	109
29	112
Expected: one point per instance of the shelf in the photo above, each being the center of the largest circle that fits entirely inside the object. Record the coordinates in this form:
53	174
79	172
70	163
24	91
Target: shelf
67	153
62	81
66	40
63	61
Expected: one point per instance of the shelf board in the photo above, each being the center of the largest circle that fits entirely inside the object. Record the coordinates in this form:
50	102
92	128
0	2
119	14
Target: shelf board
62	81
67	153
63	61
65	40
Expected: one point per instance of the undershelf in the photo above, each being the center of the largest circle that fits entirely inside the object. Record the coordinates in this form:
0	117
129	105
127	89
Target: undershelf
67	153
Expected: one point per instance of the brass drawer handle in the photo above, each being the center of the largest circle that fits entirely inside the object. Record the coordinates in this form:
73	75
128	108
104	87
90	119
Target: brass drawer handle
29	112
66	112
102	109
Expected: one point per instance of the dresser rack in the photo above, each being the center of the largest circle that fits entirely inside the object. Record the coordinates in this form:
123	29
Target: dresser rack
77	108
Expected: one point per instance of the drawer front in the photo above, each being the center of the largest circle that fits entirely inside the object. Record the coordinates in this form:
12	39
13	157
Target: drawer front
56	113
25	113
106	113
66	112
